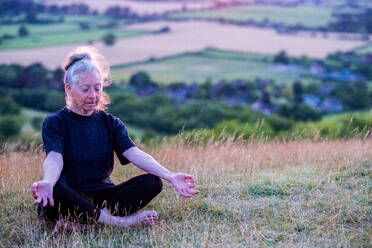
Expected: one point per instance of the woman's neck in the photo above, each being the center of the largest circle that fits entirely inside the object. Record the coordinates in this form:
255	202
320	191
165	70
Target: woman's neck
80	111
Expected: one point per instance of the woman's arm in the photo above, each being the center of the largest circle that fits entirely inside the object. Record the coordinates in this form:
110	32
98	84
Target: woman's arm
147	163
52	168
182	182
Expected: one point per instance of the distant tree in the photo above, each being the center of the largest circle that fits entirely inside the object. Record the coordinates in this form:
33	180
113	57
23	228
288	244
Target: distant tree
165	29
32	76
23	31
10	126
299	112
298	92
8	106
37	123
31	17
281	57
140	80
109	39
8	74
118	12
84	25
266	98
206	90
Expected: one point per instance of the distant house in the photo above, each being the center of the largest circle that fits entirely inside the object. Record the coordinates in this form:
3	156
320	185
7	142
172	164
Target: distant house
331	105
326	89
266	109
312	101
317	69
345	75
368	58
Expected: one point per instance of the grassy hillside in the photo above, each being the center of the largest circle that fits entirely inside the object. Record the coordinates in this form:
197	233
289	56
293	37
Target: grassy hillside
67	32
364	49
296	194
311	16
213	65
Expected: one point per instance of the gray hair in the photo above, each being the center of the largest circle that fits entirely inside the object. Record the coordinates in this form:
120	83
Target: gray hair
80	62
87	59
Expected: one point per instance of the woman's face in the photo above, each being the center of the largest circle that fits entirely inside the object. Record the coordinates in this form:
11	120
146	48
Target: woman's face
86	92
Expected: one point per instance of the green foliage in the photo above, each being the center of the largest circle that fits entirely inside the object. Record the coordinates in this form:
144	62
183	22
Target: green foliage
109	39
298	92
8	106
281	57
235	129
37	122
140	80
279	123
42	99
204	114
84	25
10	126
8	74
23	31
299	112
342	126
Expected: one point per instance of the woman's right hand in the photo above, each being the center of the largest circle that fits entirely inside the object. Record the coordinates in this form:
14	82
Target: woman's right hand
42	191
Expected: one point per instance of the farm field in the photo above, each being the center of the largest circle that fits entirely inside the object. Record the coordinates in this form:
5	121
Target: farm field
364	49
141	7
311	16
211	65
189	37
68	32
293	194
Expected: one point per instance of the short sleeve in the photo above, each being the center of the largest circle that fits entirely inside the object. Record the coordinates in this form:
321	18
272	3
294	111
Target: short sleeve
52	135
122	141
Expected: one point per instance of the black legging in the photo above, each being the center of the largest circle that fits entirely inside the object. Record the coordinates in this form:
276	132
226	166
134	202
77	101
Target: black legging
122	199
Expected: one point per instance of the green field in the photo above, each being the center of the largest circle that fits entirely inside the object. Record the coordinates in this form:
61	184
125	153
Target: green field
28	115
364	49
67	32
310	16
211	65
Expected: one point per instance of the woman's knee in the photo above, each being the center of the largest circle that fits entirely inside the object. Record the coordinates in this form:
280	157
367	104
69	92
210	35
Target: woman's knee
154	183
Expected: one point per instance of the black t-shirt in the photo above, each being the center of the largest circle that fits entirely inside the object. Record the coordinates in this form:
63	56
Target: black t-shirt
87	144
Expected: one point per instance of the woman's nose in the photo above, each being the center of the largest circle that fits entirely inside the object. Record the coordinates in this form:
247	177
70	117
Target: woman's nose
91	93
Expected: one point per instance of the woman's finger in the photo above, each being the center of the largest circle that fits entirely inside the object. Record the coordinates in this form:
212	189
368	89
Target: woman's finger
51	200
190	177
34	187
192	191
185	194
45	201
191	180
34	194
38	200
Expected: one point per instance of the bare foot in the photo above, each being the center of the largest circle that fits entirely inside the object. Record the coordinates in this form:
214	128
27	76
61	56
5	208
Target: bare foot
146	217
64	225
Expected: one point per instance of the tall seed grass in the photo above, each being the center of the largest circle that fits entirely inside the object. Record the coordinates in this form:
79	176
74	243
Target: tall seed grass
253	194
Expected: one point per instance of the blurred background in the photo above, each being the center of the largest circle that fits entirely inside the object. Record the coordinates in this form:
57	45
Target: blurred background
197	69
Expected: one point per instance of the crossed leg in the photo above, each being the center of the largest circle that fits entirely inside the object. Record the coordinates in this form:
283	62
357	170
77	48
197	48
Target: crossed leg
73	210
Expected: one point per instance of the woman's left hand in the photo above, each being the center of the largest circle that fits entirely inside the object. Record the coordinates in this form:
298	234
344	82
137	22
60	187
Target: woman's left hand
184	184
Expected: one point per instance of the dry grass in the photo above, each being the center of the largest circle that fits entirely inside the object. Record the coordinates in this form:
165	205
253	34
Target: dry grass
287	194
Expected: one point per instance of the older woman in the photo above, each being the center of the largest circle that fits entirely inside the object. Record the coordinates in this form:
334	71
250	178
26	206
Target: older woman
80	140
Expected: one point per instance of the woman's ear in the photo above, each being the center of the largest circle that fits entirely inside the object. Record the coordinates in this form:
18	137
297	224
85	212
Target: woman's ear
68	89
